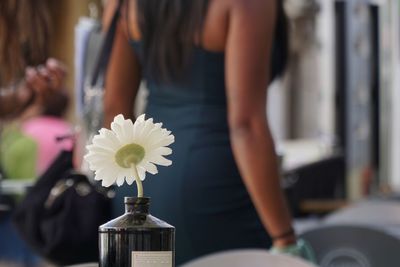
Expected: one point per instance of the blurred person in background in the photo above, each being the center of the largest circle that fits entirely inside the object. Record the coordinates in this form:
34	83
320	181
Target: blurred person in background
30	143
207	64
32	101
24	45
33	98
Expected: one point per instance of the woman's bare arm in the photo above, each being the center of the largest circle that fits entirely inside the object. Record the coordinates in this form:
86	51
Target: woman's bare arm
123	73
251	26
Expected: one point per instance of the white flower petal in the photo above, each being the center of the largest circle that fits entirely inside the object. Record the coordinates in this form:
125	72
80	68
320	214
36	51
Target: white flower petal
145	130
160	160
107	171
128	174
125	131
148	126
166	141
106	175
119	118
163	151
150	167
130	179
109	138
97	165
154	136
93	157
151	136
120	178
141	118
107	182
105	145
100	149
128	130
97	161
117	128
137	126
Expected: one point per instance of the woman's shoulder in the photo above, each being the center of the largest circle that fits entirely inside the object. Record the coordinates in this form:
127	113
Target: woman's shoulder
245	5
252	12
248	4
221	12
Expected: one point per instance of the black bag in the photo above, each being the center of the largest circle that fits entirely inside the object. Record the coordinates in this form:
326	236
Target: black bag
60	215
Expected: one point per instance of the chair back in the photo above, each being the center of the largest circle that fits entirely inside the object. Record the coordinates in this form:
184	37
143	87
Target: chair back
354	245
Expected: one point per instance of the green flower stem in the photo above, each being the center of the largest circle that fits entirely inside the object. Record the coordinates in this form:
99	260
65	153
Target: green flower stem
138	181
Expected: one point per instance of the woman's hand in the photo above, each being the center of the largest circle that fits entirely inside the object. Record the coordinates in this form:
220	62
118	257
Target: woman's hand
39	83
285	239
56	73
299	249
45	79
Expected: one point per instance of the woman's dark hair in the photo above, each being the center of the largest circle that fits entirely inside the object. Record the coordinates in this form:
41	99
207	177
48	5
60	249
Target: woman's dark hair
169	28
24	36
55	103
280	48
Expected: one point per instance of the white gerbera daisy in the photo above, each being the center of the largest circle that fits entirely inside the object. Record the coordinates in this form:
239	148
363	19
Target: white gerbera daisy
128	151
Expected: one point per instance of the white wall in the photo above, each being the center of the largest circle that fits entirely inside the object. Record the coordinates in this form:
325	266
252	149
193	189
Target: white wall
326	36
390	101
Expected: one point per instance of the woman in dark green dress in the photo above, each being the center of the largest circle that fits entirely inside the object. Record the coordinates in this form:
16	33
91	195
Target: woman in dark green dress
207	67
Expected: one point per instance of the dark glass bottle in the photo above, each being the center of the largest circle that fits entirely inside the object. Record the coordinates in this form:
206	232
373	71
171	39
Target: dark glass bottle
137	238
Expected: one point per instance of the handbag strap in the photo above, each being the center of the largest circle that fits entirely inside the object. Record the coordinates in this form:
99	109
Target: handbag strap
105	51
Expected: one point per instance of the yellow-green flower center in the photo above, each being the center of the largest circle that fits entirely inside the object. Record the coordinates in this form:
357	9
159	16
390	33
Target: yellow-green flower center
129	155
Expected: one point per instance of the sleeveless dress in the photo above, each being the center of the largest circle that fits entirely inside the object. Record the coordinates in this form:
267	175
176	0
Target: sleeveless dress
202	193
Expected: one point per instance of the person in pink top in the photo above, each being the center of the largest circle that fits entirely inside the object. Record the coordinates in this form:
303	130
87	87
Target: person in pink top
29	144
45	130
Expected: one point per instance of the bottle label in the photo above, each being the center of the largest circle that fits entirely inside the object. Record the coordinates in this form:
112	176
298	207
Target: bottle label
151	258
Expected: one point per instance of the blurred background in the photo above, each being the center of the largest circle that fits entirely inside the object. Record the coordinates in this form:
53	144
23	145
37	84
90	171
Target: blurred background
335	117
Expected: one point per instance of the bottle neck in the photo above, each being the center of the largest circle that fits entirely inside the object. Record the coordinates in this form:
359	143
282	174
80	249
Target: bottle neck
137	205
